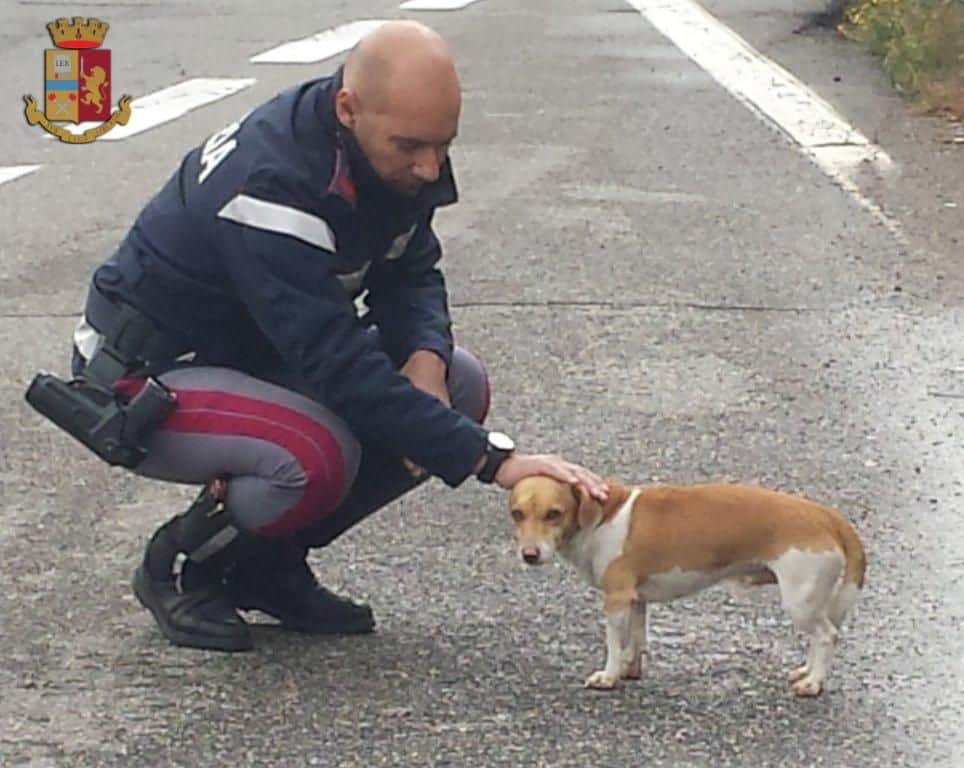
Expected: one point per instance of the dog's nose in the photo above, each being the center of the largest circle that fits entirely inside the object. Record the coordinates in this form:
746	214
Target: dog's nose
530	555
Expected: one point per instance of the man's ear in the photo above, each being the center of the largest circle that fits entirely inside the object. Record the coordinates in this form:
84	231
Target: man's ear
346	108
587	507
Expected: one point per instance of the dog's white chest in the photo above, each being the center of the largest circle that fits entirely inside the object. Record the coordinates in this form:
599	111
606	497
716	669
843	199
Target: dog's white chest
592	553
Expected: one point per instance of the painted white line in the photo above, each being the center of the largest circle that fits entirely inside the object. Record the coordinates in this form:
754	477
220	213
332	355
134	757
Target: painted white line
15	172
614	193
435	5
169	104
318	47
771	92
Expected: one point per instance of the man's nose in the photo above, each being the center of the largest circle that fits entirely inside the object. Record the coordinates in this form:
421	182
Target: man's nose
428	165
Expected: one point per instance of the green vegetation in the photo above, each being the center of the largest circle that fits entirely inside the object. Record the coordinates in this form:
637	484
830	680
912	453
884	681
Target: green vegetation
921	45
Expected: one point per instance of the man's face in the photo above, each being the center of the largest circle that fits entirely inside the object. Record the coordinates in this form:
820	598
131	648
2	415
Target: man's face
406	137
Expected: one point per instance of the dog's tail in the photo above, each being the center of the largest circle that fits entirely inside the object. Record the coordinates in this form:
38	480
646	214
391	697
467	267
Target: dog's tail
855	566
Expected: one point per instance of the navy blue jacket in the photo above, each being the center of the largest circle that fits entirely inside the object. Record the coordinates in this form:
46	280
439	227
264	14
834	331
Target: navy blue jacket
254	250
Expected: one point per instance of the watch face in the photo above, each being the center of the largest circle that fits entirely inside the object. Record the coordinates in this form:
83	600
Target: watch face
501	441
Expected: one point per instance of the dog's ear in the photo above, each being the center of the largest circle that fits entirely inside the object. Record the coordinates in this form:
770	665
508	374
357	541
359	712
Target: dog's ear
587	508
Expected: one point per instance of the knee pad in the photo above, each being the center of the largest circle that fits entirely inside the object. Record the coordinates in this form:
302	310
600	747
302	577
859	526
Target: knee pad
469	385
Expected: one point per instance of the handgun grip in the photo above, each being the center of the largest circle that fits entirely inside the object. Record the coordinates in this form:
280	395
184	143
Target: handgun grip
87	413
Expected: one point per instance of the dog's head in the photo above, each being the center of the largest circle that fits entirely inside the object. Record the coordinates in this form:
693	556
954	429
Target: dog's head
547	514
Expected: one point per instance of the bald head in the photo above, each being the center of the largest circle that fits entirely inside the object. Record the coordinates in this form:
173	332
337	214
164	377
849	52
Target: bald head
397	58
401	99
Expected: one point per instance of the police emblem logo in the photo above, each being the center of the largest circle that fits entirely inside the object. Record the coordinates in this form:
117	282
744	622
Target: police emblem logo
77	82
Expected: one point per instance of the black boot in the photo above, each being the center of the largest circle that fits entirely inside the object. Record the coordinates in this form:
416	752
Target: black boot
180	580
279	582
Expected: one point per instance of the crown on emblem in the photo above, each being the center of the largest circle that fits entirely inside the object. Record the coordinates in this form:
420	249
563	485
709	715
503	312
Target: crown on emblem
78	33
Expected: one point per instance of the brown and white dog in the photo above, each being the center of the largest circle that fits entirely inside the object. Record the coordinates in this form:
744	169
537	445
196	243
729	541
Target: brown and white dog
661	542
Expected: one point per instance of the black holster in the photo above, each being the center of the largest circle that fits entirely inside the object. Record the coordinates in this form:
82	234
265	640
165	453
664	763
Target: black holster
88	408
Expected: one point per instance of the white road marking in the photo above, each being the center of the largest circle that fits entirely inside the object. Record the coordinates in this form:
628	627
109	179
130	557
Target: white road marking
614	193
435	5
774	94
168	104
318	47
15	172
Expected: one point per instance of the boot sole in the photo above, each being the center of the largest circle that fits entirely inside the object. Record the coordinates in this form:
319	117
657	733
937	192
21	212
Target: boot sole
362	627
343	629
148	598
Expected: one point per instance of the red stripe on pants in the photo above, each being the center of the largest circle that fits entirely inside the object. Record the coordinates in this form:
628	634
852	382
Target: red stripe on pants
314	448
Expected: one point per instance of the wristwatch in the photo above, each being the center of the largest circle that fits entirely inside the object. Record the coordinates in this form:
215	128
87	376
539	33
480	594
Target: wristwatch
498	448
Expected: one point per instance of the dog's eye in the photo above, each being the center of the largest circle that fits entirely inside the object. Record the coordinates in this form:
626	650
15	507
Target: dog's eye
553	514
517	515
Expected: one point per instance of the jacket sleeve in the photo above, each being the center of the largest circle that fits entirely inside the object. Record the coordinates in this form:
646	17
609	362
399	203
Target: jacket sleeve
408	299
279	259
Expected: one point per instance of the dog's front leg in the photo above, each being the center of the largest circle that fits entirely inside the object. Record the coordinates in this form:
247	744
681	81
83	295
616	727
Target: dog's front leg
617	629
620	591
637	648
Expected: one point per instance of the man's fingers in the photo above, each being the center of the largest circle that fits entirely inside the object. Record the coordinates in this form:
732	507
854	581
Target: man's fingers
594	484
413	469
561	471
588	474
599	493
599	489
573	473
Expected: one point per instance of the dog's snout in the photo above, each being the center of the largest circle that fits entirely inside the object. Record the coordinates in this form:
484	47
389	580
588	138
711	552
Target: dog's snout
530	555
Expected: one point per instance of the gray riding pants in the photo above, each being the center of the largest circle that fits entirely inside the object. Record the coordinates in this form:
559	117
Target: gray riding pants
293	468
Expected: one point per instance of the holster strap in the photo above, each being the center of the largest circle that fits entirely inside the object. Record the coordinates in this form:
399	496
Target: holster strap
131	339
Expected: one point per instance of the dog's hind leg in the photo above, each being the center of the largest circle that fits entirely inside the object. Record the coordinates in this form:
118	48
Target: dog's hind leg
842	601
823	639
807	580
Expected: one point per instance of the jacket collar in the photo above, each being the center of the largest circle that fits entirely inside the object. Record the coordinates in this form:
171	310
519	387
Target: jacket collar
354	179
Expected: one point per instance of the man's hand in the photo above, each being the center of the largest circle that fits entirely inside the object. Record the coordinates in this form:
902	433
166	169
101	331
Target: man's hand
426	370
518	466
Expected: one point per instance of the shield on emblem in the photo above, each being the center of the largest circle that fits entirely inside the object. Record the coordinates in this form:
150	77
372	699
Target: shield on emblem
77	85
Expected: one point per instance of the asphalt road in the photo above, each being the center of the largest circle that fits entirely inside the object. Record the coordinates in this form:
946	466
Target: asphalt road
662	288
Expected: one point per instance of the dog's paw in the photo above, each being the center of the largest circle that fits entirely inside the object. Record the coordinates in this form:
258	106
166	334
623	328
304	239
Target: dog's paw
633	670
798	674
600	681
807	686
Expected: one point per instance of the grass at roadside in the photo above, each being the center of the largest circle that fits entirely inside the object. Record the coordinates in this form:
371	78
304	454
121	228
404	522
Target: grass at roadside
921	45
